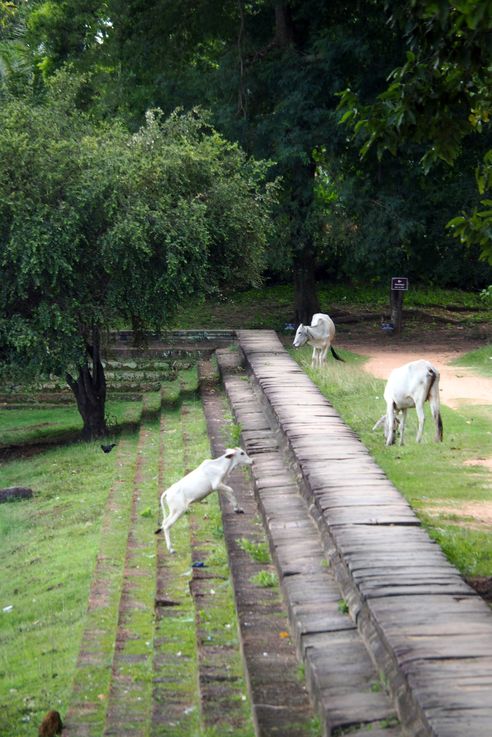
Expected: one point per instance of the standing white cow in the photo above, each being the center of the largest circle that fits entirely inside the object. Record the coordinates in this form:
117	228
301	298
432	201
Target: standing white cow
320	334
199	483
411	385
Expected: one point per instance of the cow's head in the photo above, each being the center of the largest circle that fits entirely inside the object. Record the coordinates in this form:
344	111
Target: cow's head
240	457
301	336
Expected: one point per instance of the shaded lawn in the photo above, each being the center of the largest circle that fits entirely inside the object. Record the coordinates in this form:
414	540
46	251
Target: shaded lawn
272	306
35	424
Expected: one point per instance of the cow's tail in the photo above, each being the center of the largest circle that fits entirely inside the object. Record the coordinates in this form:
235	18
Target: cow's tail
434	401
164	515
335	355
433	376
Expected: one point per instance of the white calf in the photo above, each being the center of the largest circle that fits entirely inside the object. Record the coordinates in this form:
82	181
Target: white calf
411	385
198	484
320	335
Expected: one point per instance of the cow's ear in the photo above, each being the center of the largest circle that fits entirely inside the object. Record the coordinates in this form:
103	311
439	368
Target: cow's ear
229	455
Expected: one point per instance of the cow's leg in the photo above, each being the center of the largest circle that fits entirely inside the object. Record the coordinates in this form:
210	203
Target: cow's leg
380	422
177	505
389	427
402	424
323	352
313	358
419	407
168	523
231	497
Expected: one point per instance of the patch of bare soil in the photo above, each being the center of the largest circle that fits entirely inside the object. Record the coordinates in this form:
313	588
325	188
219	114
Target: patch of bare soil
473	514
485	462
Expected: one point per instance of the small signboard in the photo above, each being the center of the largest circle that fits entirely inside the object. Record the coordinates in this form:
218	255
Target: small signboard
399	284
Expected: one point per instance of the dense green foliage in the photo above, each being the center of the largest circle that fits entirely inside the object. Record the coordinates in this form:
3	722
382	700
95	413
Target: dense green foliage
89	214
271	73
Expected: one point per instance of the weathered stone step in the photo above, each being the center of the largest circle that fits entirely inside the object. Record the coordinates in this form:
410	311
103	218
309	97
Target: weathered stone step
425	627
342	677
122	377
174	701
87	711
221	685
280	702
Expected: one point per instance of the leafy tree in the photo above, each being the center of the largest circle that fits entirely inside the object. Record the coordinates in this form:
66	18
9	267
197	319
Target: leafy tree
99	225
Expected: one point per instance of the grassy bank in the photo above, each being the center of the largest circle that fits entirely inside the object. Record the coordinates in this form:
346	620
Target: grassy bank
37	424
480	360
432	476
48	546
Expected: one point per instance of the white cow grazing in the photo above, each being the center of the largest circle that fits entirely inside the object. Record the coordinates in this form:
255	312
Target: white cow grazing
411	385
198	484
320	334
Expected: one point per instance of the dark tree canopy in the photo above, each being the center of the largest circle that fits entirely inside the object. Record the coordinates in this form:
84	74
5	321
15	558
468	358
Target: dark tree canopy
438	102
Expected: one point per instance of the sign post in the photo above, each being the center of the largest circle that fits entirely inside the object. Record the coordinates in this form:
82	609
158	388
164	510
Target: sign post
399	285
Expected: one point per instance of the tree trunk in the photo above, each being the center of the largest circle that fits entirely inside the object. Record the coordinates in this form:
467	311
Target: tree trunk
302	202
284	35
305	294
396	304
89	389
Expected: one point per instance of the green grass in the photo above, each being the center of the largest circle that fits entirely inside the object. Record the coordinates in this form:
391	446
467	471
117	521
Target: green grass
343	607
265	579
18	426
480	360
429	474
188	380
259	552
48	546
